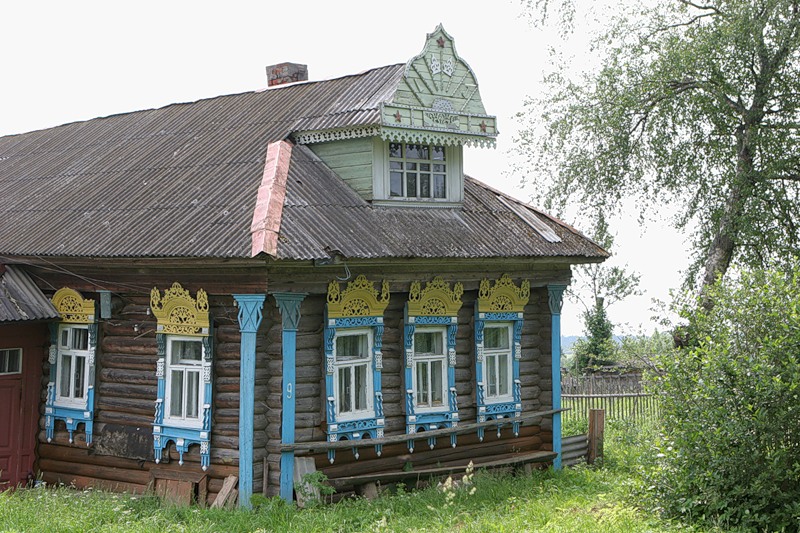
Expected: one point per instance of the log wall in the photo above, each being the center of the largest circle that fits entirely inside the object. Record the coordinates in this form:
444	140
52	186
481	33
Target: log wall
535	374
121	457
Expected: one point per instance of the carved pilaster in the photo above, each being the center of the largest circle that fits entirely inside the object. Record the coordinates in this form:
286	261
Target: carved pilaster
289	306
555	298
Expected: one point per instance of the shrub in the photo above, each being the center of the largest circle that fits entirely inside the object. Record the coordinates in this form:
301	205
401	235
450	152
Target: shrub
731	409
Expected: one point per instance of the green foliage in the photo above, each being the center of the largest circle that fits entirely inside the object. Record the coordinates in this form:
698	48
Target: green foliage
640	350
694	106
311	485
731	409
598	347
574	500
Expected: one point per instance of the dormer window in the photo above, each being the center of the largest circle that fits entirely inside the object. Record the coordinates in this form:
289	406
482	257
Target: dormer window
417	171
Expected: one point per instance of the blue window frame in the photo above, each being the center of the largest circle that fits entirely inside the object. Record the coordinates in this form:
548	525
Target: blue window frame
353	362
498	351
430	327
73	351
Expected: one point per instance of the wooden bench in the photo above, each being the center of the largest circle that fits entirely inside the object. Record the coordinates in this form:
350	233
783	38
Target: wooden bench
518	459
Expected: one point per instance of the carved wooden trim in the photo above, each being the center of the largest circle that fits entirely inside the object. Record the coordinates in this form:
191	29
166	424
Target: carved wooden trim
178	313
503	296
436	299
359	299
72	307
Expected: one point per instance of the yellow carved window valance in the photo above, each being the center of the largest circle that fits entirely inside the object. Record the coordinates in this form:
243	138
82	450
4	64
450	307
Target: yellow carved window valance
503	296
178	313
359	299
436	299
72	307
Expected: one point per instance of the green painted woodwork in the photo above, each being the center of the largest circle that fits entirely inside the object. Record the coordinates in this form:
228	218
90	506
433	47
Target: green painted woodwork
438	92
437	101
352	160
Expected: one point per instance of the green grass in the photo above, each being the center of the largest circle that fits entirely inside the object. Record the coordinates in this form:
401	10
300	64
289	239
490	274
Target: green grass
573	500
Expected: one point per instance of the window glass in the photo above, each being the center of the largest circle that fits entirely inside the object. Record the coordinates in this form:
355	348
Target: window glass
428	342
429	373
351	347
353	374
80	339
422	383
192	394
491	375
496	338
66	372
79	364
186	351
10	361
417	171
345	390
184	384
361	387
439	190
436	383
503	381
176	394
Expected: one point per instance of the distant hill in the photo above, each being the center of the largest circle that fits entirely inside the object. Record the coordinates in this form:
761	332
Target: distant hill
567	342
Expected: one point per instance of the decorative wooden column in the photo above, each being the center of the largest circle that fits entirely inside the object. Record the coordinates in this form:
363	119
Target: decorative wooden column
556	293
289	306
250	315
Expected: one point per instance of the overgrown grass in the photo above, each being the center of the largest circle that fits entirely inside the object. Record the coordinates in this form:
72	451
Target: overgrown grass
573	500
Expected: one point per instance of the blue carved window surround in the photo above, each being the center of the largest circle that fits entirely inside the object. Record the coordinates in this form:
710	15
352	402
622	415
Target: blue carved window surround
499	305
355	310
183	406
73	350
431	310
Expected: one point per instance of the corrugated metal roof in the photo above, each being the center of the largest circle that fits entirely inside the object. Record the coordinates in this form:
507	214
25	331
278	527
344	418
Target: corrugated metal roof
179	181
182	181
323	216
21	299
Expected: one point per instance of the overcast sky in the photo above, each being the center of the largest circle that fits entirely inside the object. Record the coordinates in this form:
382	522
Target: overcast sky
69	61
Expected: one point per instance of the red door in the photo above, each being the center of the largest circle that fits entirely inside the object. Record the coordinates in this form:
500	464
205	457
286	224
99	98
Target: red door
10	400
22	349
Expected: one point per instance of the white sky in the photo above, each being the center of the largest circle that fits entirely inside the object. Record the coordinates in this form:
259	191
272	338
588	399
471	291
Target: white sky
68	61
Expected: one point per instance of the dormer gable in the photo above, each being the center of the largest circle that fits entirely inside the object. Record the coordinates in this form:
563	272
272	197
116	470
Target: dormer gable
410	151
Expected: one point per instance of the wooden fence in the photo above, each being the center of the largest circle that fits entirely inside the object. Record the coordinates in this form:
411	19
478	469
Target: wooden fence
585	448
621	396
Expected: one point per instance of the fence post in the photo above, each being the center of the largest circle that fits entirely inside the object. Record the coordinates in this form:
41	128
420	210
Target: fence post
597	418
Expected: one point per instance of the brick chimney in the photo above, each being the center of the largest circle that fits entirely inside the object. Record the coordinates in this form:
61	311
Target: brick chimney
284	73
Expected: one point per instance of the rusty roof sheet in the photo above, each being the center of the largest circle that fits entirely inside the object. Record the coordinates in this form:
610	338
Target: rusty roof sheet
21	299
182	181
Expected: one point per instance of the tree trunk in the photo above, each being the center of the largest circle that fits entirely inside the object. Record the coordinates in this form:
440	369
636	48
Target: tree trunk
722	246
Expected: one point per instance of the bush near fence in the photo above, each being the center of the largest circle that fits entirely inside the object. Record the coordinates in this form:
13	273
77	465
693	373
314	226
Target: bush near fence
622	396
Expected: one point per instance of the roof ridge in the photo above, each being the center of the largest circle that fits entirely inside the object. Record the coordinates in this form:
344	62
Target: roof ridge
205	99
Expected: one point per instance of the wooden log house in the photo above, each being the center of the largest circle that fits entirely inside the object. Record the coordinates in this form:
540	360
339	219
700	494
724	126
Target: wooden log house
222	287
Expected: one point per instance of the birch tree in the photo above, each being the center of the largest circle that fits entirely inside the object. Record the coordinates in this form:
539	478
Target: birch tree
695	109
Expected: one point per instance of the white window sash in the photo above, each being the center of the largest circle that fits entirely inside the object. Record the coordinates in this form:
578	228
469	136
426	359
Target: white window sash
349	365
185	369
76	357
430	358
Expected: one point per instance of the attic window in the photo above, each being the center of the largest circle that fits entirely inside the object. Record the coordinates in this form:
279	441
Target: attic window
417	171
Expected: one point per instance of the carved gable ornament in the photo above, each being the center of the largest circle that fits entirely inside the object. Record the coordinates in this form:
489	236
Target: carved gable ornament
503	296
72	307
359	299
436	299
178	313
438	99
